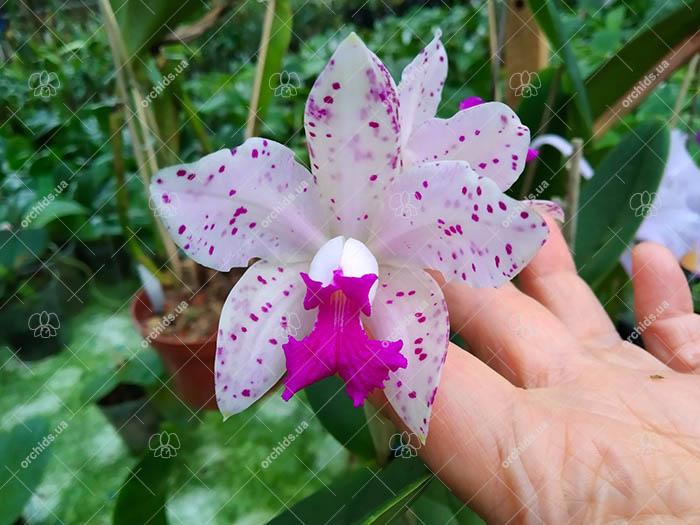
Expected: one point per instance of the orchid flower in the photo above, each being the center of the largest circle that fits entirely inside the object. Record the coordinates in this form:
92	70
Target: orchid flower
673	217
340	254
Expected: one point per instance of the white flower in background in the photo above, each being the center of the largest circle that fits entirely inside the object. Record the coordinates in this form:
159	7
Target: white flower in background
564	147
675	221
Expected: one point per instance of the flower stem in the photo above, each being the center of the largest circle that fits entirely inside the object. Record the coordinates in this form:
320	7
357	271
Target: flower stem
572	192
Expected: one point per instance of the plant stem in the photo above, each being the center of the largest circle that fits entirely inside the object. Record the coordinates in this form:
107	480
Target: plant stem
252	125
381	430
137	253
572	192
493	49
680	101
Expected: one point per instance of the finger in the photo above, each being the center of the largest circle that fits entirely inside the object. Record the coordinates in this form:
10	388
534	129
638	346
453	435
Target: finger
664	308
467	428
551	279
511	332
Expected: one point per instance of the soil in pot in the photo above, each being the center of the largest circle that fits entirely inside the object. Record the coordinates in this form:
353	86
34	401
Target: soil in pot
184	335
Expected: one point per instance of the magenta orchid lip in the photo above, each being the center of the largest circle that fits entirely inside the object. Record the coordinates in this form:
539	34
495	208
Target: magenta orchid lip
392	191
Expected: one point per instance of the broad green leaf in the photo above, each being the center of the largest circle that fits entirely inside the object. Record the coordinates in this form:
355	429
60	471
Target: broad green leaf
272	75
437	504
547	16
610	83
144	369
607	217
144	23
24	453
21	248
143	496
363	496
49	209
336	412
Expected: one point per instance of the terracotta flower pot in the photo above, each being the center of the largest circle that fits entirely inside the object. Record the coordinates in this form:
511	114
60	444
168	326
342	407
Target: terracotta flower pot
189	363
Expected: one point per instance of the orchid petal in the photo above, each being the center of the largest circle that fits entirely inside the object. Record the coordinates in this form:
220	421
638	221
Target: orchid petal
352	130
565	148
421	85
550	208
489	136
409	306
233	205
454	221
260	314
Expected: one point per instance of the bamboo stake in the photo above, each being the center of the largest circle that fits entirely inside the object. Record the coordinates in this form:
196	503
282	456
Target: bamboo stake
493	49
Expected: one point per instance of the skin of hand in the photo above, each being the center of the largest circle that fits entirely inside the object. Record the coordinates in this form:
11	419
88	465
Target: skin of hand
551	417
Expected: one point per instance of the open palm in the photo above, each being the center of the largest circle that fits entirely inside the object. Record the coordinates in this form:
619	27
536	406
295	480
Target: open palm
552	418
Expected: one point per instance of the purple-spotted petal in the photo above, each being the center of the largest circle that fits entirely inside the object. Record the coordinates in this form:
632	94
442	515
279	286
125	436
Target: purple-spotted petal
260	314
546	207
409	306
450	219
352	131
233	205
421	85
489	136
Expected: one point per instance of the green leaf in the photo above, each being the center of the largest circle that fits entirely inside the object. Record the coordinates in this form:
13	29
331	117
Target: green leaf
607	217
143	24
547	16
143	369
24	453
610	83
143	496
21	248
437	504
363	496
280	35
337	414
48	209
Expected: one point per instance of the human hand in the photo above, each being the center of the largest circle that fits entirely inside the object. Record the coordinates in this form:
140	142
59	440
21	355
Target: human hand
552	418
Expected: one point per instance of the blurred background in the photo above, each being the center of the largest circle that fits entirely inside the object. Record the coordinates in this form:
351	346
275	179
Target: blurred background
106	396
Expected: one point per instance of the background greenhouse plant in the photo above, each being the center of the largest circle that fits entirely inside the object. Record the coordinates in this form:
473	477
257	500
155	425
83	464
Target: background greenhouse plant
69	245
